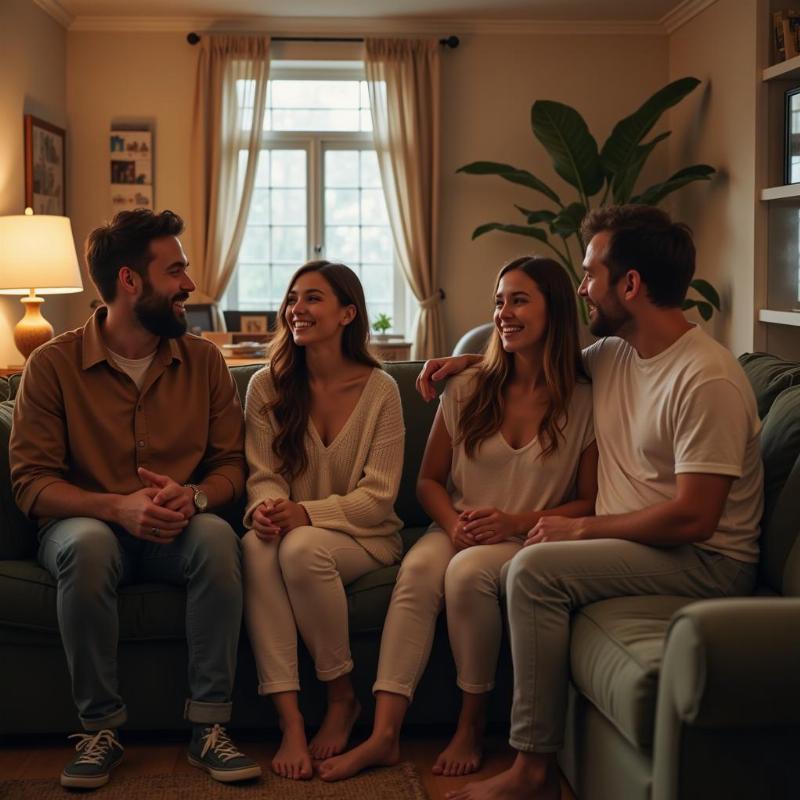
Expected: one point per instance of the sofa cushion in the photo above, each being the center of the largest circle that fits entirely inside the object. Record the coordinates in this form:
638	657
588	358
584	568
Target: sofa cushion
9	385
769	376
780	451
17	532
615	656
150	611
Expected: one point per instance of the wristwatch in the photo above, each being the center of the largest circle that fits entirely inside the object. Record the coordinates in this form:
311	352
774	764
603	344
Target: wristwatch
200	497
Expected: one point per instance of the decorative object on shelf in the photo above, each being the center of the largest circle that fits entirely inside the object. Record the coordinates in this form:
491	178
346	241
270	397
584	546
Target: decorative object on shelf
785	29
791	165
201	317
614	170
37	255
233	318
381	325
253	323
45	171
131	169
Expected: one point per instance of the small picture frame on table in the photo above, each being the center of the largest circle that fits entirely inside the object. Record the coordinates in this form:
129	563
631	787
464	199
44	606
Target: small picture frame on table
253	323
792	137
45	167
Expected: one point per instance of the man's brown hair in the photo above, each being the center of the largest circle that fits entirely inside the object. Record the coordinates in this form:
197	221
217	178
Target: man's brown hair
125	242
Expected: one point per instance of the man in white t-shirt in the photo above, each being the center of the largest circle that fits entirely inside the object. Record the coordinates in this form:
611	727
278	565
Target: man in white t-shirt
679	478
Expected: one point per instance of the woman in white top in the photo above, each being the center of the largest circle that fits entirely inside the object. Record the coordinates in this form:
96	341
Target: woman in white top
512	441
324	445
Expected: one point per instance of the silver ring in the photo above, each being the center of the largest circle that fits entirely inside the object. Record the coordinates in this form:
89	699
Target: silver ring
156	532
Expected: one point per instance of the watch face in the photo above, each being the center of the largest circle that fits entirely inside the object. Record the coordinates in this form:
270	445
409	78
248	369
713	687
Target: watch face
201	500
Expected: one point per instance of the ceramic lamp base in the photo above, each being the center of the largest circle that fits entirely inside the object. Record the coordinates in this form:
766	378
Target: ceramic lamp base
33	329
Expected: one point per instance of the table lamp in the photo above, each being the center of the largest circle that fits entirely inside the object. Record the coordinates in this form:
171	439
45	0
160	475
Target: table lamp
37	254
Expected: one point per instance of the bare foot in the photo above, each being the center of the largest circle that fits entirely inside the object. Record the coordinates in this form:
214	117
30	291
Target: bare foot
462	756
334	733
293	759
519	782
377	751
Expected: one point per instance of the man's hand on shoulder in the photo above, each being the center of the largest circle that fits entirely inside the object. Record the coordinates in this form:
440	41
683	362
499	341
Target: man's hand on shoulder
170	494
437	369
143	518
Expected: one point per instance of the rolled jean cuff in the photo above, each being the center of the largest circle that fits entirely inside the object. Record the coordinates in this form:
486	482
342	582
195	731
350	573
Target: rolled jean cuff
474	688
326	675
393	688
197	711
114	720
532	747
274	687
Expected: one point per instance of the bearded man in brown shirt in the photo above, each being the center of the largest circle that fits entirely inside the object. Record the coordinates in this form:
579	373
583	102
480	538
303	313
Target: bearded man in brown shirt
126	434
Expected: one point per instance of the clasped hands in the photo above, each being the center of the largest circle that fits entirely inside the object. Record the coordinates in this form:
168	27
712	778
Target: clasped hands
158	512
492	526
275	518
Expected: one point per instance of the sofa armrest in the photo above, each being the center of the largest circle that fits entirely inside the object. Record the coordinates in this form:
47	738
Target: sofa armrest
734	662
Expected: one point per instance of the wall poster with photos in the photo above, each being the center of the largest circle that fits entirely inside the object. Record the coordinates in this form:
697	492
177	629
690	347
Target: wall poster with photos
131	170
45	167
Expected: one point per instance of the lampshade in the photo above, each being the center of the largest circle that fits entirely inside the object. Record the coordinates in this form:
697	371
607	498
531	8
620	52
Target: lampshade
38	252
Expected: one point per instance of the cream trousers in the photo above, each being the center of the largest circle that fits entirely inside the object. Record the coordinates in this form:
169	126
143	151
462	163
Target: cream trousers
469	581
297	583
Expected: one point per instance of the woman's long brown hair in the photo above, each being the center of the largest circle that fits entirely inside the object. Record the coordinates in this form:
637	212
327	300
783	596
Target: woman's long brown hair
287	363
482	414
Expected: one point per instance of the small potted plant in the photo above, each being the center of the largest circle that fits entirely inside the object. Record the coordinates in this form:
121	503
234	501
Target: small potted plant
382	324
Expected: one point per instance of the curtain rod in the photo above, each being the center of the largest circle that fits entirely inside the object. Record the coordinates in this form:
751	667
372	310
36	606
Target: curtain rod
450	41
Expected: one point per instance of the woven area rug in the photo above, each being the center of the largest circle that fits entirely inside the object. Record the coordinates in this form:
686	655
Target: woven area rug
388	783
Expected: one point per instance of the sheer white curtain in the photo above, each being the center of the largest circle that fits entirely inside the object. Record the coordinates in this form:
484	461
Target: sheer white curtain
403	81
230	98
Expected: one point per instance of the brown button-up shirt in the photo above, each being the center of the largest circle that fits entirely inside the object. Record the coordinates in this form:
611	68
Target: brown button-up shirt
79	418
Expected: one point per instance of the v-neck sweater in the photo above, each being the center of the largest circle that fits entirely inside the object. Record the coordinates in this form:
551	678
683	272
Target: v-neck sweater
349	486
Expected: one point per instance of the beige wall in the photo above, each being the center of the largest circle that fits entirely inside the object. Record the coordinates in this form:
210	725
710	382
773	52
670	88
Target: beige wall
489	85
716	125
126	78
32	58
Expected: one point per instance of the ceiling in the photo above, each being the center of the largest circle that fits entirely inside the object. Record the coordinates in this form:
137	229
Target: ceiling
543	10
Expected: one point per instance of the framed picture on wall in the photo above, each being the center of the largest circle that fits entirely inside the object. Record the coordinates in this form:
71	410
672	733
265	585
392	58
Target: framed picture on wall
45	167
792	137
253	323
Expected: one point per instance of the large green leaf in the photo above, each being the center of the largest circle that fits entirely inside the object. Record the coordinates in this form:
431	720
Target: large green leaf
620	150
625	180
568	222
656	193
522	230
565	135
705	309
509	173
536	216
707	291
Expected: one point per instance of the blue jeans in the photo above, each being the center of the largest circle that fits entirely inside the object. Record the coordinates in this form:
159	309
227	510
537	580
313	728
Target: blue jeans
89	559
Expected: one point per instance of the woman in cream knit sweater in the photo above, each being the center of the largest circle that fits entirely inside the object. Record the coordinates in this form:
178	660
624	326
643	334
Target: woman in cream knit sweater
324	446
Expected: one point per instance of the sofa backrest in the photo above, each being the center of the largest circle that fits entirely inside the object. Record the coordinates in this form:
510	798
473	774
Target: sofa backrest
776	384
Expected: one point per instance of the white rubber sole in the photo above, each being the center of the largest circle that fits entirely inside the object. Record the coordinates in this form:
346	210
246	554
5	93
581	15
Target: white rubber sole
227	775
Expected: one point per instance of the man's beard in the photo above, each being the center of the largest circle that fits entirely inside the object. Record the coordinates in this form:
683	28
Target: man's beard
610	321
156	315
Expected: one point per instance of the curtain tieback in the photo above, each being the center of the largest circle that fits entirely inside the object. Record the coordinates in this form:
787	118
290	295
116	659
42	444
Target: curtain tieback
433	300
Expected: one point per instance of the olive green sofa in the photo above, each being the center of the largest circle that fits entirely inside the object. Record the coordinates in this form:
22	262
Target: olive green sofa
671	699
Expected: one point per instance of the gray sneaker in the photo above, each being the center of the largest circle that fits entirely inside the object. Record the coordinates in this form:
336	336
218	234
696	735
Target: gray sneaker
214	752
97	754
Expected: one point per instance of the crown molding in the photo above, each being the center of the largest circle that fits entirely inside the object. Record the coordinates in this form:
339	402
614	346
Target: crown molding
355	26
682	13
56	11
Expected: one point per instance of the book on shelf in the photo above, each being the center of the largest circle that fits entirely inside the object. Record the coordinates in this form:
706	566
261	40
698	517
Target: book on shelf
786	34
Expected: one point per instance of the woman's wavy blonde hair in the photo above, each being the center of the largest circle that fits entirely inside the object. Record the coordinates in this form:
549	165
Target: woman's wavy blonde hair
482	414
287	364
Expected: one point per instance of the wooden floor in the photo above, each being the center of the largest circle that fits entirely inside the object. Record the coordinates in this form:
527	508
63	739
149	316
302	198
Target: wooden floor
145	756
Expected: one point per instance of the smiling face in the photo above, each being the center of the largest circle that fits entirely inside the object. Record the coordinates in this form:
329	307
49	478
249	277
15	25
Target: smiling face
520	312
165	289
607	314
313	312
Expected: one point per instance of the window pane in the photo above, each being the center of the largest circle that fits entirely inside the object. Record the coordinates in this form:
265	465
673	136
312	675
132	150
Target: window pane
378	283
314	94
289	168
254	282
262	171
288	206
281	274
255	245
376	245
289	244
373	208
259	207
315	119
341	244
370	173
341	168
341	206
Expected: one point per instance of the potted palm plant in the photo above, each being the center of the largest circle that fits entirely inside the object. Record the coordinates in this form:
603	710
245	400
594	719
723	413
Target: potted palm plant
599	176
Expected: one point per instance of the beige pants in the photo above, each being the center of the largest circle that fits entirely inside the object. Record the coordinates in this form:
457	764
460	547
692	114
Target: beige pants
297	582
469	581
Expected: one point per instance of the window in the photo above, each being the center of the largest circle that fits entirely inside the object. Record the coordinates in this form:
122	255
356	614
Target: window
317	191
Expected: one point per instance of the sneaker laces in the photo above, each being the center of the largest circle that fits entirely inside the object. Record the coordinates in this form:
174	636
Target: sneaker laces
217	740
94	747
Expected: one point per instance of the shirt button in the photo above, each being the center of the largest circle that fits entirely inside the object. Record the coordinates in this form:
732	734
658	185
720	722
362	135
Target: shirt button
140	443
